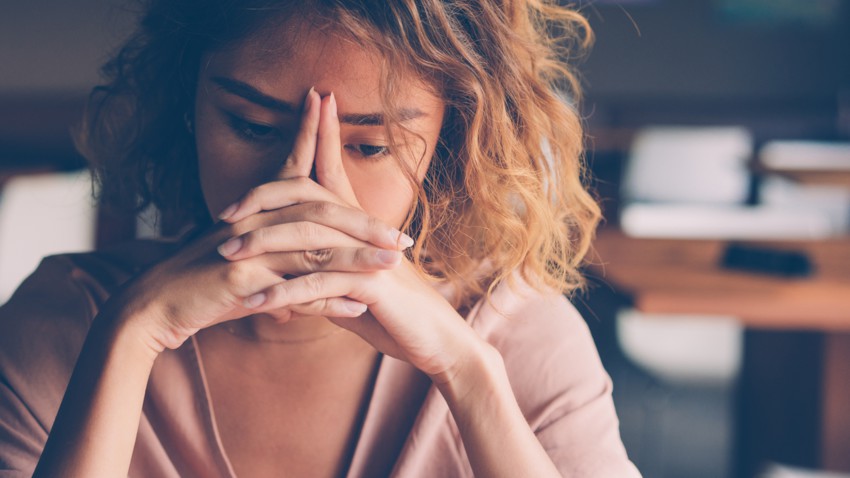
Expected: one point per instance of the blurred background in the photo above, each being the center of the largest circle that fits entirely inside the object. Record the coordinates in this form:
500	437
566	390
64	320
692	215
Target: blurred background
719	143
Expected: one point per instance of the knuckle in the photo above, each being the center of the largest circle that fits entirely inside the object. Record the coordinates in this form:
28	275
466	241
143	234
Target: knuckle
314	284
321	209
308	231
275	295
237	273
258	239
283	316
318	259
291	159
362	257
373	224
280	292
302	181
319	306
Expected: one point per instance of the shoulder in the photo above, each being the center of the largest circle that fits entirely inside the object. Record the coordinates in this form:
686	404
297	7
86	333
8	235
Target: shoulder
557	377
537	327
49	308
42	330
540	331
46	320
76	283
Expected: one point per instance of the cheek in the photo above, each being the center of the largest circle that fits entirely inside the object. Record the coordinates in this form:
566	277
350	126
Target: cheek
383	189
223	181
227	168
383	192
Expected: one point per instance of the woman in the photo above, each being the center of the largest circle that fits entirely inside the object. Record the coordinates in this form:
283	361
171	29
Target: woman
298	331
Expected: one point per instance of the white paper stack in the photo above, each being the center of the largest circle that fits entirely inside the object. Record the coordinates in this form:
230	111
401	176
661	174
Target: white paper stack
692	183
805	156
707	165
699	221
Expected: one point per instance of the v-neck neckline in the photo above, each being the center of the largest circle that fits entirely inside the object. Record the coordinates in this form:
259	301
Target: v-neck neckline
388	372
396	382
208	413
384	423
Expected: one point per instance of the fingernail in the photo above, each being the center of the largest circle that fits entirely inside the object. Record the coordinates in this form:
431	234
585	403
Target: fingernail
332	105
255	300
387	257
309	100
355	307
230	247
401	238
228	211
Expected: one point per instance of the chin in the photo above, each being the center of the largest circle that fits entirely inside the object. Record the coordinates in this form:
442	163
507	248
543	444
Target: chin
283	316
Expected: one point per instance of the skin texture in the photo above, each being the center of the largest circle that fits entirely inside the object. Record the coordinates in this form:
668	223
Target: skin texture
242	142
230	164
309	189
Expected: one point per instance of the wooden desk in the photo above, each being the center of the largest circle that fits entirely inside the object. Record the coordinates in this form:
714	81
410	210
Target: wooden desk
817	177
682	276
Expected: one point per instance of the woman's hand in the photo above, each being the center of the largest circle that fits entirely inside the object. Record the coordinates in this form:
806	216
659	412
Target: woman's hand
197	287
407	317
410	320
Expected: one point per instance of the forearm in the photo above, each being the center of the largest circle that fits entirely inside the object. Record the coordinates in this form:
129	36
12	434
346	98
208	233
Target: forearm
96	426
495	434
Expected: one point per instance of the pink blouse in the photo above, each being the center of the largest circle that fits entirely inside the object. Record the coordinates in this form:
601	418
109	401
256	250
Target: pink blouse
407	431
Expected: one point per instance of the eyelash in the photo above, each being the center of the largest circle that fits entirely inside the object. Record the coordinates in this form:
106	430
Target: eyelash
256	133
368	155
252	132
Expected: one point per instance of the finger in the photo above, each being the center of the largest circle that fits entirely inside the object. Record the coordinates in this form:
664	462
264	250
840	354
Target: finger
308	288
331	307
289	237
343	259
353	222
300	160
275	195
330	172
245	278
368	327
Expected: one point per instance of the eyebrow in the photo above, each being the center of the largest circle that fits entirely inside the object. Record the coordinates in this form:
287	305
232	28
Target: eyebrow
257	97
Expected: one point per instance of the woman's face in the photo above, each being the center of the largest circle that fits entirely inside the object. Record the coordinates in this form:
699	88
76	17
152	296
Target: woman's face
248	108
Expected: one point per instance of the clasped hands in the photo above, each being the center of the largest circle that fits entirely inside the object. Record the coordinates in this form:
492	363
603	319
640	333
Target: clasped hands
304	246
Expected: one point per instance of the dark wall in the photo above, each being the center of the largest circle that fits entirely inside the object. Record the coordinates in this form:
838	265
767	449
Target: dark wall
715	61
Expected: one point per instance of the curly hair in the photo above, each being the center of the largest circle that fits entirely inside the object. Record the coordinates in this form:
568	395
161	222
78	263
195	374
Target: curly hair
506	187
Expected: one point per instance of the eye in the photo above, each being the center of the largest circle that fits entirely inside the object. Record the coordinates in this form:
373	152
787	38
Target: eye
251	131
368	151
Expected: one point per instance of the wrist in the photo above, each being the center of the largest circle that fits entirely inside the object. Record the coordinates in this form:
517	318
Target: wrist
481	373
113	336
494	430
133	325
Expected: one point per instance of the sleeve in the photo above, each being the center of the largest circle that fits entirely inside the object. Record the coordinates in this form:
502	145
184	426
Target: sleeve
42	329
563	389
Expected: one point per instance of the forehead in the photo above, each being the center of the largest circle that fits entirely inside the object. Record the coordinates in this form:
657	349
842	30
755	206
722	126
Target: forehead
287	59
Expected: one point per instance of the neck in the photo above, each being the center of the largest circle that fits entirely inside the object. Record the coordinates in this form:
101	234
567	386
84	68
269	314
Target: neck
268	328
261	348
